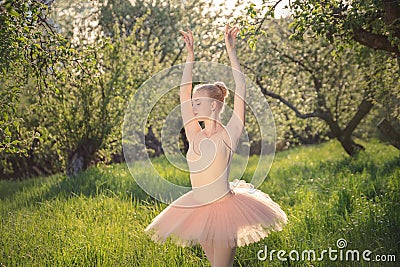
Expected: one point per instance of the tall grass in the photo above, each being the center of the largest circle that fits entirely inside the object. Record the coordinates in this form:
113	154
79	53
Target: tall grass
98	217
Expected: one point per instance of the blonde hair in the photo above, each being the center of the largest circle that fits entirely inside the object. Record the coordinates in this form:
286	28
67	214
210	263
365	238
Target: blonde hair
217	91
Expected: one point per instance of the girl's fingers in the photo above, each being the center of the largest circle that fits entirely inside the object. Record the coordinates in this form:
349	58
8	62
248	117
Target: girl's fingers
188	40
184	34
190	32
234	31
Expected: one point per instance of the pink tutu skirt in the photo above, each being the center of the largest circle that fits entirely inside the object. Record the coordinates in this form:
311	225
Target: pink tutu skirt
244	216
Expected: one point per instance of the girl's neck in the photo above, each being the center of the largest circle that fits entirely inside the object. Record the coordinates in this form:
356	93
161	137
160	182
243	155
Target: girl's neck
212	126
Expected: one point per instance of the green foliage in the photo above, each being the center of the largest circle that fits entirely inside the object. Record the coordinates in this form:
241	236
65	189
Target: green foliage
341	20
90	88
65	83
372	23
29	48
94	87
294	61
250	24
162	22
98	217
362	27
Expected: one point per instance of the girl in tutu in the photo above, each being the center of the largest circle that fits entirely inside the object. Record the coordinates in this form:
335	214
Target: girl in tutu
217	214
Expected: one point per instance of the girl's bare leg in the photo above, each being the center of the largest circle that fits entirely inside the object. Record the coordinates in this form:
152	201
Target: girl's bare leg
209	250
223	257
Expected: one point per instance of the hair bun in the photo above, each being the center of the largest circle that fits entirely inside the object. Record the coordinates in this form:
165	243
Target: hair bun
223	88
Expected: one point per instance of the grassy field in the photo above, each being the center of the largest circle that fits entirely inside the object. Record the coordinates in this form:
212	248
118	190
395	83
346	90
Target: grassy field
98	217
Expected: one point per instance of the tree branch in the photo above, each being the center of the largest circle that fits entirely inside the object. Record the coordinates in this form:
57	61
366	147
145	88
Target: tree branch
373	40
288	104
178	55
294	60
362	111
392	15
265	17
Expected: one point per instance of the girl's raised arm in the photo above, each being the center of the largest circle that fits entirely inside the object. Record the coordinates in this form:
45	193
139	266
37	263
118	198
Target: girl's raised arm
191	125
236	123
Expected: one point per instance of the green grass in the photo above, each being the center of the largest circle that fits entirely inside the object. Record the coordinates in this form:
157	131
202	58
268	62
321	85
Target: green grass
98	217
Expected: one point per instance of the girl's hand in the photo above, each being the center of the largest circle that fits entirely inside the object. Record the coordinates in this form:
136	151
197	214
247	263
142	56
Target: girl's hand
230	37
188	37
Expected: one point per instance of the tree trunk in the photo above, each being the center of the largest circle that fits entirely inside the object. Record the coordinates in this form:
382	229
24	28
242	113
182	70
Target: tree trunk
79	159
351	147
389	133
152	142
345	136
363	109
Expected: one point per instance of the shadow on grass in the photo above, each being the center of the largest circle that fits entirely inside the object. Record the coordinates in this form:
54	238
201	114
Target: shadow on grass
8	188
340	166
117	181
95	181
362	163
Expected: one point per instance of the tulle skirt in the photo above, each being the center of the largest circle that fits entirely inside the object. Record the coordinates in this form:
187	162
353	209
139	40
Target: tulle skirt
244	216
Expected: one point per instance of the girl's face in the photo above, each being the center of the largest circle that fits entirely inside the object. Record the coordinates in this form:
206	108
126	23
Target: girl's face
202	104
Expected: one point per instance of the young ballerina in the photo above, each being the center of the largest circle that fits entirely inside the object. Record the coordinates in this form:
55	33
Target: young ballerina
217	214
